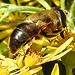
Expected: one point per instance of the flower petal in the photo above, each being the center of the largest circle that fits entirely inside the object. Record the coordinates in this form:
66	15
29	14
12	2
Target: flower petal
55	70
61	48
30	72
49	56
60	55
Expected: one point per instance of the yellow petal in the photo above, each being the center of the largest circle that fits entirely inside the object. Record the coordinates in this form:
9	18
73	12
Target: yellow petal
19	61
24	1
4	70
35	70
57	2
60	55
6	59
30	72
52	48
22	70
12	1
61	48
49	57
25	73
11	65
55	70
56	57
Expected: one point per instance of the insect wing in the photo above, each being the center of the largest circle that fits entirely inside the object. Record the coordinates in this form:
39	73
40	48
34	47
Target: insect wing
12	23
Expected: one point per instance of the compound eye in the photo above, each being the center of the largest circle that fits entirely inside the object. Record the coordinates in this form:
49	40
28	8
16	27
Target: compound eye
47	20
62	16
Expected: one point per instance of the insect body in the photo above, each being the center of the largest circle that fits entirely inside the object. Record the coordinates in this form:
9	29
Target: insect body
50	20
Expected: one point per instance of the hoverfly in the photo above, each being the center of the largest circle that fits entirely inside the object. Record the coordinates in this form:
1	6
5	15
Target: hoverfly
47	20
51	21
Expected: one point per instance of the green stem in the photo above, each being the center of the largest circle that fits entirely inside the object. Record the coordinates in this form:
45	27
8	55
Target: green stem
4	16
5	5
24	8
10	8
45	4
62	4
20	8
27	11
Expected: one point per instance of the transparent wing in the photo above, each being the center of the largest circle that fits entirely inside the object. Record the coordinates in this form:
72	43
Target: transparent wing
10	24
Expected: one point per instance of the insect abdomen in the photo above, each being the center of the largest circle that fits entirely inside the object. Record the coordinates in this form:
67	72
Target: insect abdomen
21	35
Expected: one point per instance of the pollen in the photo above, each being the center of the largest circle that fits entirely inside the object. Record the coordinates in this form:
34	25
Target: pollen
30	59
33	59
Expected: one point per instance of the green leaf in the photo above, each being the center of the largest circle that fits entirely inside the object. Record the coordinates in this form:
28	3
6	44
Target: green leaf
69	62
10	8
45	4
71	17
16	8
5	5
72	10
4	16
5	33
4	50
62	4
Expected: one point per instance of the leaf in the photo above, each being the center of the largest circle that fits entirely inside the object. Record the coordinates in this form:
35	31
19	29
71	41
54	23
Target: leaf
62	4
4	50
5	33
45	4
71	17
4	16
10	8
69	61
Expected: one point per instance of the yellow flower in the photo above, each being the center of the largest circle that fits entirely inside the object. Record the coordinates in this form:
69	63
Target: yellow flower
66	34
30	63
4	70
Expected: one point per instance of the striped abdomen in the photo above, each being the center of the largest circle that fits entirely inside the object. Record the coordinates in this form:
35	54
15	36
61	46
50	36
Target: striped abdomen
21	35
